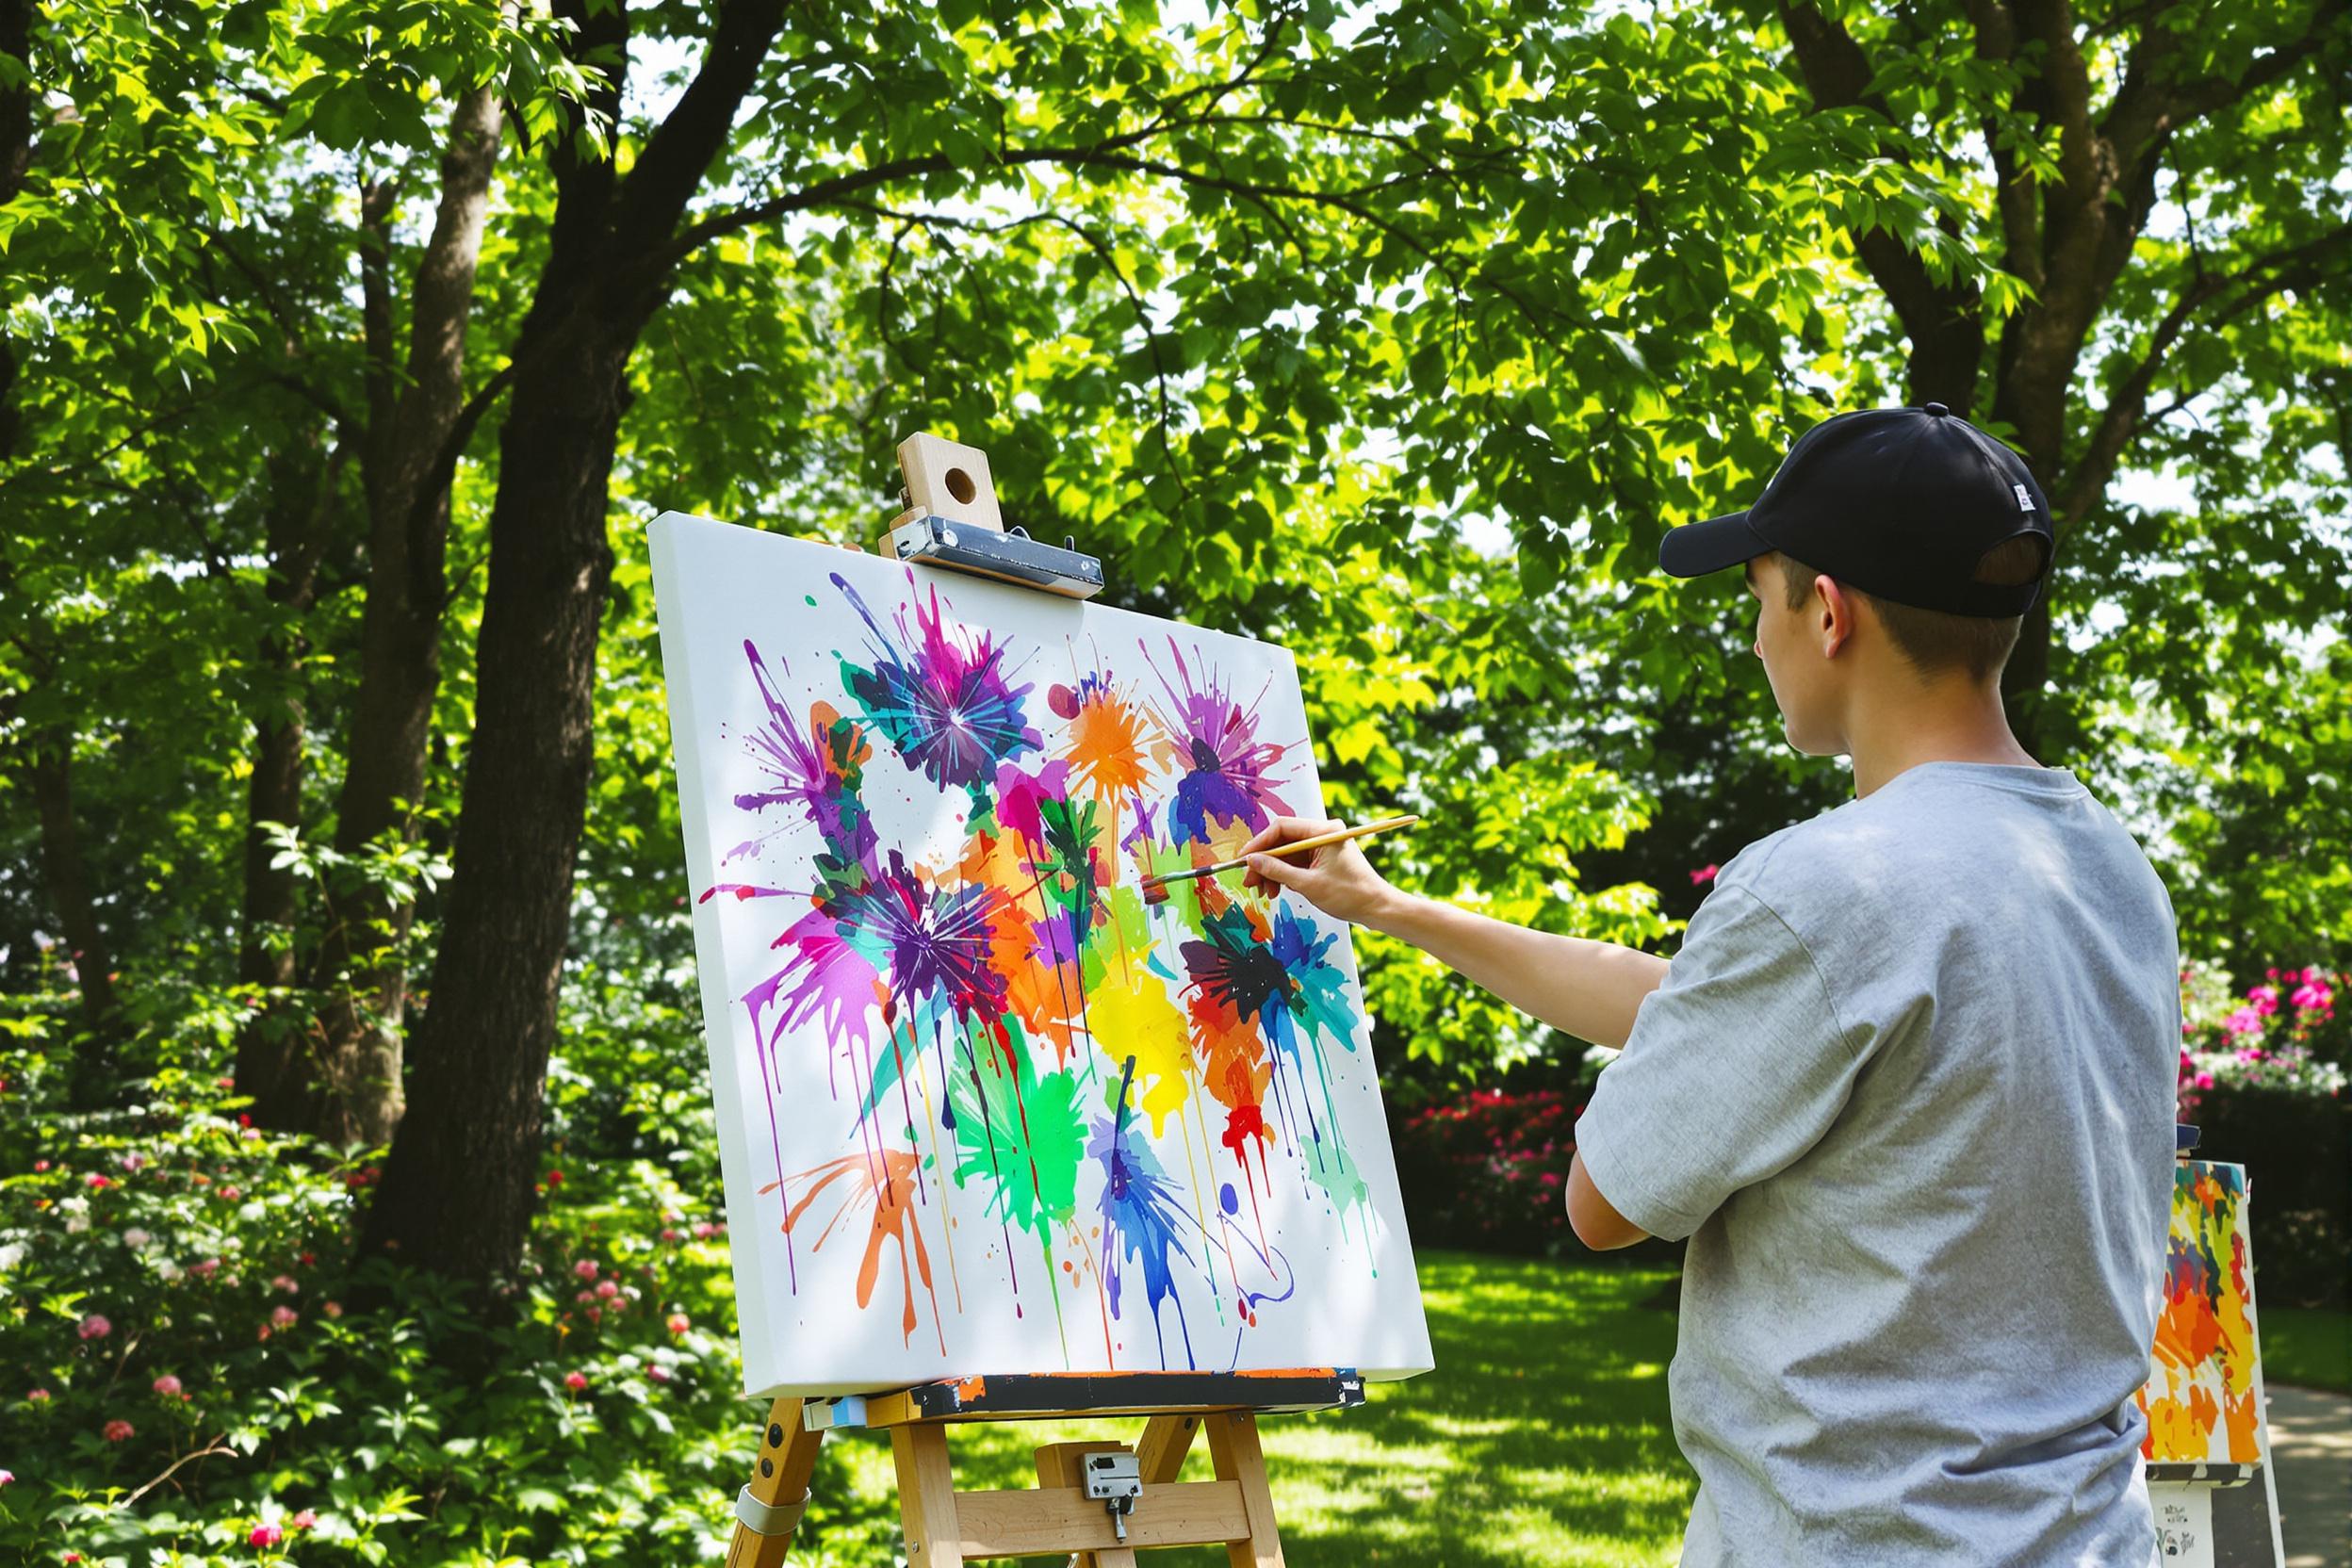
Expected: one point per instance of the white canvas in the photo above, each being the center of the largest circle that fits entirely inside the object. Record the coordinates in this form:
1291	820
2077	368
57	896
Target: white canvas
981	1108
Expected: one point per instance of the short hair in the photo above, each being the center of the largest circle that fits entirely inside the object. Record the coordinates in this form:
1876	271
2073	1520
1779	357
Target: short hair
1935	641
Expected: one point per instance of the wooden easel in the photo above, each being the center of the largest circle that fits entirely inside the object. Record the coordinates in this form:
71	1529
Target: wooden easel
952	522
946	1527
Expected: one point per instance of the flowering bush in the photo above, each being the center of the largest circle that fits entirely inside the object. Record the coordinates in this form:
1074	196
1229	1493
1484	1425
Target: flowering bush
192	1372
2281	1033
1489	1170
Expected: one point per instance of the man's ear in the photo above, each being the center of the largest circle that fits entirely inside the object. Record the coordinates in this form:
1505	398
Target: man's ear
1833	615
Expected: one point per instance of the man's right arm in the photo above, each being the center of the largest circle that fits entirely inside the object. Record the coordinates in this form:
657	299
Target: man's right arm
1590	990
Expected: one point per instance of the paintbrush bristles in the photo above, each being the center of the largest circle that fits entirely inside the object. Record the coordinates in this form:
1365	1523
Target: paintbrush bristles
1158	885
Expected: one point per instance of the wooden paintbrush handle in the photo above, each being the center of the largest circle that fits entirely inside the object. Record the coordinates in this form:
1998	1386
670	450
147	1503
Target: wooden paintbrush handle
1298	845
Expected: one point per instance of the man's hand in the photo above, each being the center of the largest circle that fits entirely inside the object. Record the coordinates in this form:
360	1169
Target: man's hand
1336	879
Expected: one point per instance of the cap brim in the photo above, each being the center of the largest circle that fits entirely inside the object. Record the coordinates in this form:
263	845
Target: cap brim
1695	549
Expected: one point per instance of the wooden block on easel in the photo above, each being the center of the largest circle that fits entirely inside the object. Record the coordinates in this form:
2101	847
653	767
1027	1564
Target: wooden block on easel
947	479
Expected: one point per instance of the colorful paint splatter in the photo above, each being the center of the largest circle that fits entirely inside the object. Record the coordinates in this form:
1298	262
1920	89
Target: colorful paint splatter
1006	1107
2201	1402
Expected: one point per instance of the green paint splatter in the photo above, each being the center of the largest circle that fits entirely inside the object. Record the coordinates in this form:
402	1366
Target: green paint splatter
1332	1169
1022	1134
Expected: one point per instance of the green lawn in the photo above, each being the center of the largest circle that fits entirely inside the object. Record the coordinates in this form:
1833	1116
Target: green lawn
1540	1438
2310	1346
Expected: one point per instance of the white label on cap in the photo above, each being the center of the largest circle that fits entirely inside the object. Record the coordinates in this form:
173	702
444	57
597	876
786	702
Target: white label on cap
2025	502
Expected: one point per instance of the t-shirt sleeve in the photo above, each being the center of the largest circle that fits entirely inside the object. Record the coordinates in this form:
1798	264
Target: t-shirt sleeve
1736	1065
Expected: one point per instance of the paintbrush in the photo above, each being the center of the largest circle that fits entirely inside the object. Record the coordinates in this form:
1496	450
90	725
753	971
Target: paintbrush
1155	888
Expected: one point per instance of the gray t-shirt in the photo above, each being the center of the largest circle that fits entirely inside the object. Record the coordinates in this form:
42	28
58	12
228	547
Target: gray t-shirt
1908	1089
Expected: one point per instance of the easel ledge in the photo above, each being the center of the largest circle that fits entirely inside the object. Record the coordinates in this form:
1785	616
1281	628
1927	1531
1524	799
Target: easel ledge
946	1527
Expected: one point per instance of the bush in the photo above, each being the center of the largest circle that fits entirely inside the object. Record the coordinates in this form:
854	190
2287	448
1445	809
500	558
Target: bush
188	1374
1488	1170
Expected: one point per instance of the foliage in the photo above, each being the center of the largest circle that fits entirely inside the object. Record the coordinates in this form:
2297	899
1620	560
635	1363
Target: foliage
173	1271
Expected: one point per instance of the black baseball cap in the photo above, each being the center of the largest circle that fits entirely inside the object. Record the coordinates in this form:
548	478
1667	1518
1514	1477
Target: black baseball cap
1901	503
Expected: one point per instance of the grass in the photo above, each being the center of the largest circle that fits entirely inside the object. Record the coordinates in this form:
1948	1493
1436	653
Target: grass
1543	1437
2309	1347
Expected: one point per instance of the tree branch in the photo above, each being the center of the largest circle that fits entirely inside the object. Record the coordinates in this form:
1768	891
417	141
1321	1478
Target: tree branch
2299	267
1944	321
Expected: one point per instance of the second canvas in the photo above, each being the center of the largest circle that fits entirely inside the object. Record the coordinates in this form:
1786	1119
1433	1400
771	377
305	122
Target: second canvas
981	1107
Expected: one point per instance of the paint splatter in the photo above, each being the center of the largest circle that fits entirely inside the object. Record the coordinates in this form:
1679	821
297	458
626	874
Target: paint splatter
2199	1400
1141	1218
1227	787
945	699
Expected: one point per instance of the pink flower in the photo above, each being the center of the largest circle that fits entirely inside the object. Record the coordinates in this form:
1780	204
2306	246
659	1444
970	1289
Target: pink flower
702	1228
2245	1021
6	1477
41	1164
96	1180
230	1195
284	1317
584	1297
265	1535
303	1521
658	1374
38	1397
285	1282
670	1233
209	1266
262	1333
608	1289
1704	874
585	1268
132	1162
2312	994
679	1323
95	1327
2204	1079
2265	999
118	1431
575	1380
167	1385
332	1309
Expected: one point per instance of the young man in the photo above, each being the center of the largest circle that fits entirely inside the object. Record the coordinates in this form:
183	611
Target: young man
1907	1088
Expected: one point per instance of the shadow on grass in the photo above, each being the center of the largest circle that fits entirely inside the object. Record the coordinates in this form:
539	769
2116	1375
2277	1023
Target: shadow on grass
1542	1437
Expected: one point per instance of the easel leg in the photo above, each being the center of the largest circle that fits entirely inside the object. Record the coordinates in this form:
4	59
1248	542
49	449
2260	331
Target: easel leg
1233	1448
1166	1441
926	1497
768	1512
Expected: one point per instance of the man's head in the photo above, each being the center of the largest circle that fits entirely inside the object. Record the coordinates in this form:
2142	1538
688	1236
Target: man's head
1820	639
1892	557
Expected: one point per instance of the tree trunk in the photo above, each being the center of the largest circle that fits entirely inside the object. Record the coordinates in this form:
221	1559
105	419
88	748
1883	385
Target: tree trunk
458	1189
271	1067
358	1095
68	880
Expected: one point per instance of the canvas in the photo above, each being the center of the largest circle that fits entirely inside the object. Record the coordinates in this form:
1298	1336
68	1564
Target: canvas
980	1107
2203	1398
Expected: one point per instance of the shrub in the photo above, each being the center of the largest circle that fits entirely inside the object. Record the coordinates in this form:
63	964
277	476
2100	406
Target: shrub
1489	1170
191	1372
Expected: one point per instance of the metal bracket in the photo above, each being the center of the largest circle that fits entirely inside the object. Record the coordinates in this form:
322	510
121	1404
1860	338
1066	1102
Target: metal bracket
1116	1480
769	1518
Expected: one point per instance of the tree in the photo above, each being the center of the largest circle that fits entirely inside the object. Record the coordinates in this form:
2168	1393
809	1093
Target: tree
2046	138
